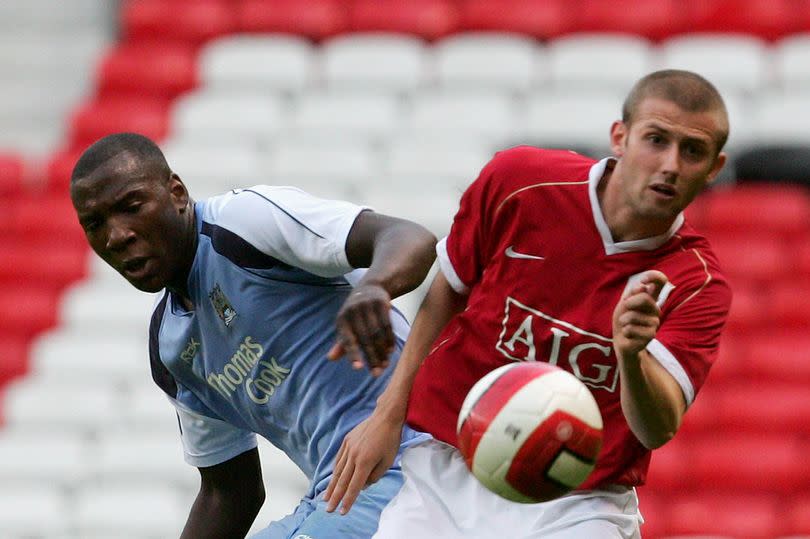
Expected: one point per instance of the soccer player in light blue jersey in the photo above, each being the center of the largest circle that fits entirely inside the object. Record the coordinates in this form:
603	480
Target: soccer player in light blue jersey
259	286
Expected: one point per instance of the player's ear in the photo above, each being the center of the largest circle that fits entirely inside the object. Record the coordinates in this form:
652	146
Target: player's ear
618	136
719	161
178	193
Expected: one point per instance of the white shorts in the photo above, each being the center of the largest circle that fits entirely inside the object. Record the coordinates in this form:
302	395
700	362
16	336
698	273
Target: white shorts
441	498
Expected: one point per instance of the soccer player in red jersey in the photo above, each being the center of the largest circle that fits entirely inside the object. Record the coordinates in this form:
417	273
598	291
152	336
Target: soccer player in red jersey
588	265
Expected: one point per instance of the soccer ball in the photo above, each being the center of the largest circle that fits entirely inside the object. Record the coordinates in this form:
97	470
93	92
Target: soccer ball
530	432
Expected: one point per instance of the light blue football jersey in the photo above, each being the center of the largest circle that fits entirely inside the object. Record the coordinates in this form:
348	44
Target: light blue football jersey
269	275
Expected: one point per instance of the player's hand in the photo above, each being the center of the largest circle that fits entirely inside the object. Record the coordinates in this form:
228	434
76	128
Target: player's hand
367	452
637	316
364	329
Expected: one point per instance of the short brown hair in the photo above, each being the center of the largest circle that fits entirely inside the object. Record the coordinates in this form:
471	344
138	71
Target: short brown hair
688	90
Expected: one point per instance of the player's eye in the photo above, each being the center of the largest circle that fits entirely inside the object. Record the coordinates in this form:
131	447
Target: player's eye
655	138
133	207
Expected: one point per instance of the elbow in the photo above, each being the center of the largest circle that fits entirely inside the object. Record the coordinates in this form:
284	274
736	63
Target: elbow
656	441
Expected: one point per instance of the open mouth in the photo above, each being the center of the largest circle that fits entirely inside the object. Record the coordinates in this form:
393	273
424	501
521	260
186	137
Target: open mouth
135	266
664	189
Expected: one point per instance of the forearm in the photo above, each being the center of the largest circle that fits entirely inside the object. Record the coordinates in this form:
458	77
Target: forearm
652	401
216	515
440	304
402	256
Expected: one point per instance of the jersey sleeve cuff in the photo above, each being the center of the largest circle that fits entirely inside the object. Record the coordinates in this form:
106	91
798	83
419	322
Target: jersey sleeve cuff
218	457
344	228
449	272
673	367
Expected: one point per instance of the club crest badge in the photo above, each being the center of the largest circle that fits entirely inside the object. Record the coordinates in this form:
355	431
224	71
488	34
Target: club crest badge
224	309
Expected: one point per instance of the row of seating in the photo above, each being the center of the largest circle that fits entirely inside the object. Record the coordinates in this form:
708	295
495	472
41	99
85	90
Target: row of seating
431	19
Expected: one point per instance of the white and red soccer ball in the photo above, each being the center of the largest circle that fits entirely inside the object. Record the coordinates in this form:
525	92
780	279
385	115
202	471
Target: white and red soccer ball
530	432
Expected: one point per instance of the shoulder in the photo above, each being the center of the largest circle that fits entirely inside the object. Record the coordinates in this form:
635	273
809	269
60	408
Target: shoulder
528	162
238	203
696	269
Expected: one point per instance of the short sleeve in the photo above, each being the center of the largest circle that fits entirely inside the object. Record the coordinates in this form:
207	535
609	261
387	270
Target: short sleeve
207	441
290	225
688	340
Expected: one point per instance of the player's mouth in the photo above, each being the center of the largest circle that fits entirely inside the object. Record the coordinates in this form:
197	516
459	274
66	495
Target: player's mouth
664	190
136	268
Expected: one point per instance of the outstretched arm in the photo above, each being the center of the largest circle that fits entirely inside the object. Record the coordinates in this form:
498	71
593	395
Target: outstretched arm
370	448
230	497
398	255
652	400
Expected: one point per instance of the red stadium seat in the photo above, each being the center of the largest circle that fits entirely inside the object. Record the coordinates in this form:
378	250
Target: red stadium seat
538	18
59	168
316	19
756	210
751	261
771	463
429	19
790	304
11	174
669	466
158	70
13	357
700	418
768	19
191	21
653	19
764	407
26	222
798	515
750	309
654	511
753	516
94	120
27	310
49	265
779	355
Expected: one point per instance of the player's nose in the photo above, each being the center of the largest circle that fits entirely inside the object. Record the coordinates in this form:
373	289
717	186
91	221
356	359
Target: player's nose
118	236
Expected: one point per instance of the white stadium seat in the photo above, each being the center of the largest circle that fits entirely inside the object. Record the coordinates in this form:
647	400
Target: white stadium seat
106	305
47	459
156	511
488	61
470	118
598	62
209	169
257	63
733	63
421	166
33	511
562	120
326	117
337	170
147	412
249	118
792	63
780	118
374	61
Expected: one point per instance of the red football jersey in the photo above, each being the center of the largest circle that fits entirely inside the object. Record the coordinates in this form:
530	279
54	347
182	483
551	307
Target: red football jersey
530	246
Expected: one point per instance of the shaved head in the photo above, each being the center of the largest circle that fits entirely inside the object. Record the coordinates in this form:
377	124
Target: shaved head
690	91
122	153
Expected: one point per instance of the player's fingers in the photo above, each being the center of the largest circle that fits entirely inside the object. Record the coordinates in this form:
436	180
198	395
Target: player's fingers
348	340
635	318
643	303
655	278
336	352
340	463
356	484
340	486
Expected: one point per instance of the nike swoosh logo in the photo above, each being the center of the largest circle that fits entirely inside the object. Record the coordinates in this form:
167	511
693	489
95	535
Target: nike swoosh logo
511	253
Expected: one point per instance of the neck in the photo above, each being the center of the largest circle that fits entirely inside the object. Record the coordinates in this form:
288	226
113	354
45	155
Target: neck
188	245
623	221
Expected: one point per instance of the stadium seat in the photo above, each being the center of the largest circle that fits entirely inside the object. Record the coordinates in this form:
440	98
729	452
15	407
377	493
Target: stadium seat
779	355
765	210
736	64
142	70
74	14
768	19
213	169
790	62
785	163
320	19
581	63
754	516
700	419
760	406
754	260
50	265
257	63
11	174
669	466
798	516
209	118
148	413
24	223
99	118
26	310
542	19
653	19
156	511
57	460
106	358
414	165
435	212
563	120
13	358
338	170
778	119
369	62
428	19
326	118
790	305
469	118
188	21
33	511
111	306
742	460
487	61
654	511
